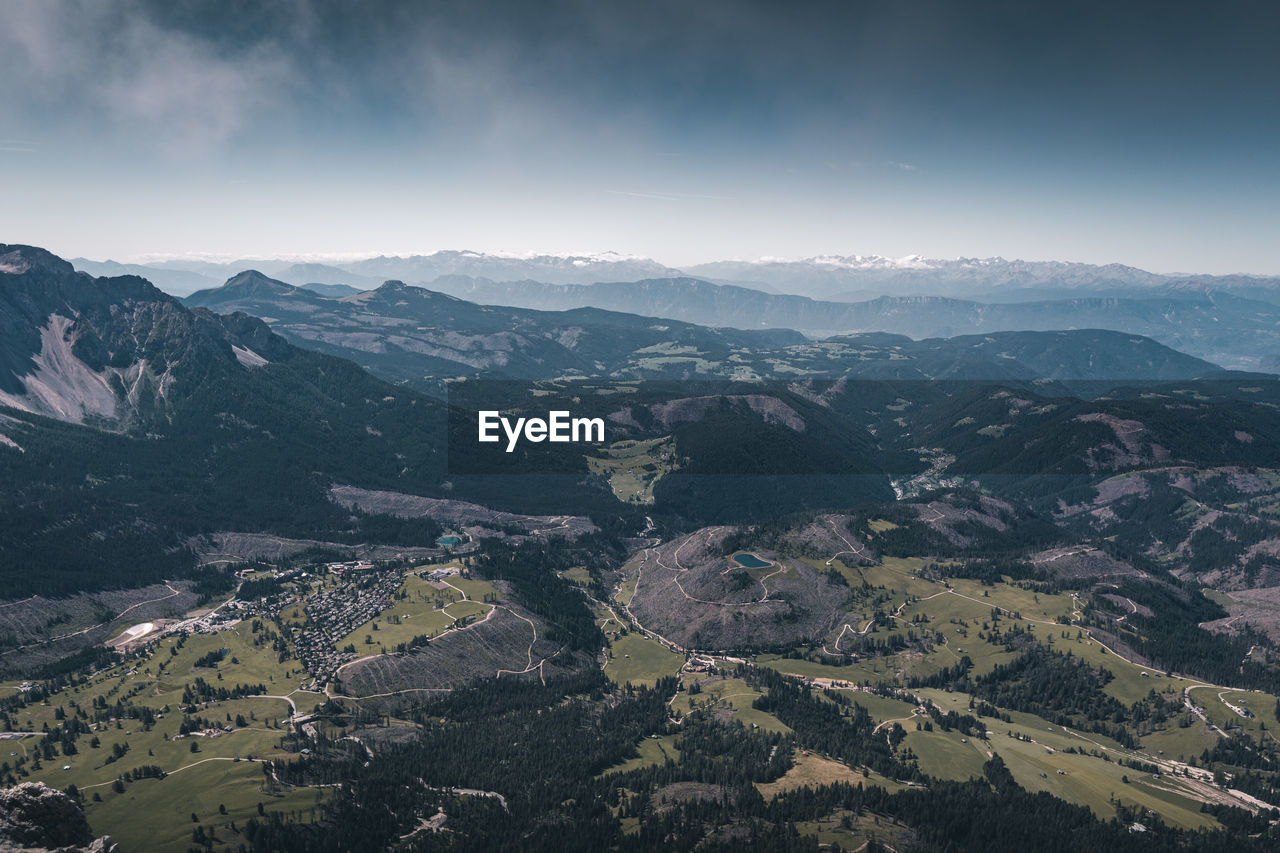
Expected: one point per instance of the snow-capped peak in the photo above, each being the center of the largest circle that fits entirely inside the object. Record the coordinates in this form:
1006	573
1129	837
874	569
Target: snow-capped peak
914	262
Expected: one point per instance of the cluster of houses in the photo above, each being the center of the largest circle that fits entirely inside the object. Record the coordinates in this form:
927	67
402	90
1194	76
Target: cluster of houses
335	614
340	569
210	623
439	574
209	733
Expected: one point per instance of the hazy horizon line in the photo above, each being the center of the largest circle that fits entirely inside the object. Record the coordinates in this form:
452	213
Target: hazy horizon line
610	255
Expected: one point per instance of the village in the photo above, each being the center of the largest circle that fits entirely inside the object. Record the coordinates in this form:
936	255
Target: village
335	613
336	598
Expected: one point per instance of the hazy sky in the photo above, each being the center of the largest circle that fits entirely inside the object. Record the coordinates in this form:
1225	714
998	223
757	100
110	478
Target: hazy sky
1136	132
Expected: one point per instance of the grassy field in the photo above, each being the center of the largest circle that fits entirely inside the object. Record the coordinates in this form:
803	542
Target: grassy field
578	575
1041	606
654	752
419	611
1038	747
226	770
851	574
731	697
881	708
633	467
865	827
963	609
960	611
476	590
605	620
155	814
640	661
1181	744
810	771
626	591
1085	779
873	670
1216	703
1217	597
856	672
161	746
898	576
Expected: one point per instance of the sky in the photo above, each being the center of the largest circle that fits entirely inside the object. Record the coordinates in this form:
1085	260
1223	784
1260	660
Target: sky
1134	132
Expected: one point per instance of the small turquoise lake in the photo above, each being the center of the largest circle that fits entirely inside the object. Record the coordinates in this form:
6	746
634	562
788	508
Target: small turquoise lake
448	541
750	561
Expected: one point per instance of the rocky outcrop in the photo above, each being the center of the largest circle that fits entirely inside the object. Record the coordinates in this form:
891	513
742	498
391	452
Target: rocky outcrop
34	816
110	352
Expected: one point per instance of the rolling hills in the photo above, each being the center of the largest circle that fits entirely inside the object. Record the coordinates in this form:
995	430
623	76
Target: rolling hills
860	587
1220	325
1227	319
415	335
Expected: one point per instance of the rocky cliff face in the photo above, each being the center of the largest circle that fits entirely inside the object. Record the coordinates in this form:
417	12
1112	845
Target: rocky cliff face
110	352
34	817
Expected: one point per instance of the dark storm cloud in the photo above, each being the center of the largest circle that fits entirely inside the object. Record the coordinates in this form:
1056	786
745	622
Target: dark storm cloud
97	68
1096	74
1136	67
918	118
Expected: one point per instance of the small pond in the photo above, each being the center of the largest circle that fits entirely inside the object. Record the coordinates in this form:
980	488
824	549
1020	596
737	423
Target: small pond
750	561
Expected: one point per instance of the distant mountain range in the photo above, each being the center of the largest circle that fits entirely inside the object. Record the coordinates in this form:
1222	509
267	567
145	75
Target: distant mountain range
422	337
113	352
1233	321
418	336
1216	325
838	278
896	508
176	282
132	424
185	277
858	277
